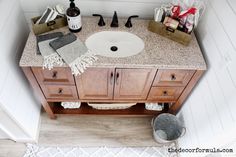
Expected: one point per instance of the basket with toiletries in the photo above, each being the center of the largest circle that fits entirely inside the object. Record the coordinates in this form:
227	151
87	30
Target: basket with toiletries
177	20
52	18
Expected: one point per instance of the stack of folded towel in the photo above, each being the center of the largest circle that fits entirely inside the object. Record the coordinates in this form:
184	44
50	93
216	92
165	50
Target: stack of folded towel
57	48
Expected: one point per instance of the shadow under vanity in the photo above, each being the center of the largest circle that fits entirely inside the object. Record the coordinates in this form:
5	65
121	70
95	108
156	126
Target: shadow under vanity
164	72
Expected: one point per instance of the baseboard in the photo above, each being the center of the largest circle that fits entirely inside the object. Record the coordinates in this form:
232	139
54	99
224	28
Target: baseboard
38	129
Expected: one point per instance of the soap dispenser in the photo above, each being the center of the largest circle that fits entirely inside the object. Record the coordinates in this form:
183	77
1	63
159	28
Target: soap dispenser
74	18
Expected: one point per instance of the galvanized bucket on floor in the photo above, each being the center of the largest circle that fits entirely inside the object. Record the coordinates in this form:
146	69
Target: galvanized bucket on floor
167	128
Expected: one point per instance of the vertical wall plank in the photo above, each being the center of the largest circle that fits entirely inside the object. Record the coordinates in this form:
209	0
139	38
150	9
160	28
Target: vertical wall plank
15	97
213	102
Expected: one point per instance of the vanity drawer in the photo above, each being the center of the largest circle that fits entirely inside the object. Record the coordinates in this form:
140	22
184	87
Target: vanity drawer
173	77
165	93
62	76
59	91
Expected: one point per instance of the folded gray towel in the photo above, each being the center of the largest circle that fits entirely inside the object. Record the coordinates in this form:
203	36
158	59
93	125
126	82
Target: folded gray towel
48	36
73	52
40	38
63	41
50	57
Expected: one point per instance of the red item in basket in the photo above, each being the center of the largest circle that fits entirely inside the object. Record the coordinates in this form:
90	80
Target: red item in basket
177	14
175	11
185	13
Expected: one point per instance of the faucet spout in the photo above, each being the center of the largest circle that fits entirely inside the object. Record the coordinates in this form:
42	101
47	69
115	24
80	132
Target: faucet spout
114	22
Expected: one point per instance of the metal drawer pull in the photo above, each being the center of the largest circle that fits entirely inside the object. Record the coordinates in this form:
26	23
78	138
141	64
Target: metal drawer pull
173	77
165	93
111	78
117	76
60	91
54	75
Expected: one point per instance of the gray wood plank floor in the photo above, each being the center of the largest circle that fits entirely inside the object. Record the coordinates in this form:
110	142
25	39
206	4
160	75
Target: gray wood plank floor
83	130
11	149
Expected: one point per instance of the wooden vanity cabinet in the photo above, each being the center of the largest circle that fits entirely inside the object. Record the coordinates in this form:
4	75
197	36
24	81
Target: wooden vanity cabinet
97	84
115	83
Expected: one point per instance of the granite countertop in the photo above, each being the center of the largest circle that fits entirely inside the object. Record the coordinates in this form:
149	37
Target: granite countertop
159	51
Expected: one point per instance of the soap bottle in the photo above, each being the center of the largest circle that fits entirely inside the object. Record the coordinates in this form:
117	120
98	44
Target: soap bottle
73	18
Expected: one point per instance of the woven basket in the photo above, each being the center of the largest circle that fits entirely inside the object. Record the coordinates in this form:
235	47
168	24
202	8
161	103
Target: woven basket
111	106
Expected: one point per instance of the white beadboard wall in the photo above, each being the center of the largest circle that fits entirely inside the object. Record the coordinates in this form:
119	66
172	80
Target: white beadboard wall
124	8
209	113
16	98
12	128
3	135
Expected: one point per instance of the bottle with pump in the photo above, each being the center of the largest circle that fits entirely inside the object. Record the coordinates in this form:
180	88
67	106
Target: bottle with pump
74	18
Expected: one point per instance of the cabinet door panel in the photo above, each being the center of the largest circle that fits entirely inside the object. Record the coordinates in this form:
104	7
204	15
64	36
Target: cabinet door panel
133	83
96	83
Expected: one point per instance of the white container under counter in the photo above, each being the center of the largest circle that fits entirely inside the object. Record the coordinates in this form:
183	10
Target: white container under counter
71	105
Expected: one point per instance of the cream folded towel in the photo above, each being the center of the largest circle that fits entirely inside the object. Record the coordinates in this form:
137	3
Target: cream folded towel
73	52
50	57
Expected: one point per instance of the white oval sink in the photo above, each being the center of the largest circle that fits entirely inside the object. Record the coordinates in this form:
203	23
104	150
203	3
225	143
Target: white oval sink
114	44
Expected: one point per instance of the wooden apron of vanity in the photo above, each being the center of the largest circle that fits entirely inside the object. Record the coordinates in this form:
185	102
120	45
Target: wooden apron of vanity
112	85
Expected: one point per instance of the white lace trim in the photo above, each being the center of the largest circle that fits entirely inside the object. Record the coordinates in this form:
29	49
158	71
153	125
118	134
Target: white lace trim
81	63
50	61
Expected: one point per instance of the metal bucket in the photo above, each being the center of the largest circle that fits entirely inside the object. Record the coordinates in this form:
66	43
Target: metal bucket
167	128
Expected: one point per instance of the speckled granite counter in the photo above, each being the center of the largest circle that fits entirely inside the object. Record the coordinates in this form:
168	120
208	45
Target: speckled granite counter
159	52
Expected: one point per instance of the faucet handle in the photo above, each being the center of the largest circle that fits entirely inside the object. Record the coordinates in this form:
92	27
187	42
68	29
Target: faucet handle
101	20
128	23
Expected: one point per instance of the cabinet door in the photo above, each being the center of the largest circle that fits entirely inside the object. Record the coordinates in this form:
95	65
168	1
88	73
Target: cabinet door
96	83
133	83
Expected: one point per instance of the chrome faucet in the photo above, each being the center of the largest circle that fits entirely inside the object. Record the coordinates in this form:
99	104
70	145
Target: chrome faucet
114	22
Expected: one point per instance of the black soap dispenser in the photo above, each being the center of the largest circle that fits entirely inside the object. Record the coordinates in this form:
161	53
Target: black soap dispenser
74	18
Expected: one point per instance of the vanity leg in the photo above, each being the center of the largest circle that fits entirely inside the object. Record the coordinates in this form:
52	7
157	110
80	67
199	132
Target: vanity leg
32	80
49	111
177	106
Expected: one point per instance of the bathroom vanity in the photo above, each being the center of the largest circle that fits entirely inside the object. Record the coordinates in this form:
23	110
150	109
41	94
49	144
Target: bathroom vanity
164	72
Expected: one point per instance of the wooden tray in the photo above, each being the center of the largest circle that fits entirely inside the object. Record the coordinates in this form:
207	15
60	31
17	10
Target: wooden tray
49	26
176	35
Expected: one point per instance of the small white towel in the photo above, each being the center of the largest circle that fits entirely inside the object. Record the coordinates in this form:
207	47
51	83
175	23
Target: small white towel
70	105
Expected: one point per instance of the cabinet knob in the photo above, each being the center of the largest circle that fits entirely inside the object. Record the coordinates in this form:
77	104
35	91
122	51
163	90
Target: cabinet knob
165	93
117	76
60	91
111	78
173	78
54	74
